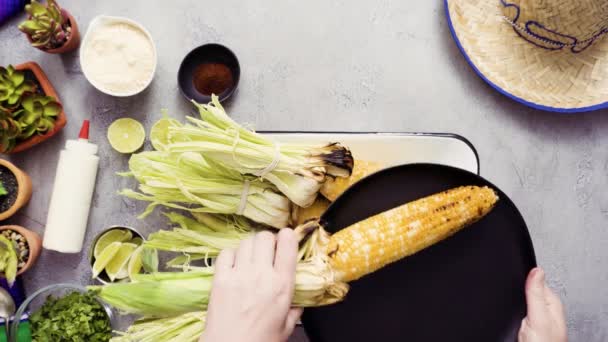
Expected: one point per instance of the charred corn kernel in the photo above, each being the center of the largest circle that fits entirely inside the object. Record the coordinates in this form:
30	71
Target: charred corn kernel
314	211
334	187
394	234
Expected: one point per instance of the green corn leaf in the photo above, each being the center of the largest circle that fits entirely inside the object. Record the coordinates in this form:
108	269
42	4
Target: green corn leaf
149	259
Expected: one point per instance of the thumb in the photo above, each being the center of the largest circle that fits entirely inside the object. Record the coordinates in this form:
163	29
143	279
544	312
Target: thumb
293	316
535	297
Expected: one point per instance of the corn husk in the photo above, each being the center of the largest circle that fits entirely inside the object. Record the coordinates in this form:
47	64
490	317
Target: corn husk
297	170
197	240
174	293
187	181
187	327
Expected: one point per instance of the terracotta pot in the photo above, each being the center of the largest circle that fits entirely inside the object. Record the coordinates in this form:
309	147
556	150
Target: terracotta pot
48	89
34	242
24	189
72	43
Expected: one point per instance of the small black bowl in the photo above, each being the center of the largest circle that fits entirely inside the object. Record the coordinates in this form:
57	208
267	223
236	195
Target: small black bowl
208	53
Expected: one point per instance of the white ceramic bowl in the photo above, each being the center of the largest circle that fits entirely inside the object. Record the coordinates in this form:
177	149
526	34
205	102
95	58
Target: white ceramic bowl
97	22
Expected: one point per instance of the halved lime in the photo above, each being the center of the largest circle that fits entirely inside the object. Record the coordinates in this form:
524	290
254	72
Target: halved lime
126	135
159	134
114	235
120	260
106	255
135	264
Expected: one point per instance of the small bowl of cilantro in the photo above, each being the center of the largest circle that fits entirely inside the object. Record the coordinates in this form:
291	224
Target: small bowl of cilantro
64	312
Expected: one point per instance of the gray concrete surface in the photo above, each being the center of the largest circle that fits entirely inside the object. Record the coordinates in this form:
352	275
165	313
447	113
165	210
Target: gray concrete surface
354	66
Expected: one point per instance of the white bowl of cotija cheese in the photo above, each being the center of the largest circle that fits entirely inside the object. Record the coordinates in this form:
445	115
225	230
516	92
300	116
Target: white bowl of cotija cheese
118	56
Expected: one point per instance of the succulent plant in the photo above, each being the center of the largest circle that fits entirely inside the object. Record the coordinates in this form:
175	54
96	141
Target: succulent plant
46	25
13	86
9	131
37	115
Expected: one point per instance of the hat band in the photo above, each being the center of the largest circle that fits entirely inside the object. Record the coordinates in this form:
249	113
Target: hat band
539	35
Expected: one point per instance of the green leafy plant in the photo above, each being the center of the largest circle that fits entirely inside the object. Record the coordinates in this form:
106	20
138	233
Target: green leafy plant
23	111
3	190
13	86
46	26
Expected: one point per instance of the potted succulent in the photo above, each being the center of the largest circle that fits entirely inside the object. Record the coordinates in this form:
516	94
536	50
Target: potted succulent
50	28
19	249
16	189
30	111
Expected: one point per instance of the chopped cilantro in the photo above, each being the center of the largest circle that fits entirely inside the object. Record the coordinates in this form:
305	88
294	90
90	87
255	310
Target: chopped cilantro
76	317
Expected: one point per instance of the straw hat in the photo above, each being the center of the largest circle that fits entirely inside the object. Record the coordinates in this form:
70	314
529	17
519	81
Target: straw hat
548	54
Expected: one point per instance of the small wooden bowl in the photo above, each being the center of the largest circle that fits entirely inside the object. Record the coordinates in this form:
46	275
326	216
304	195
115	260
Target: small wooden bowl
24	189
34	242
49	90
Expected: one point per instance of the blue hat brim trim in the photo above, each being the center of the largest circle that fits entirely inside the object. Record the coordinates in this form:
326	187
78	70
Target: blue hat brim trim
506	93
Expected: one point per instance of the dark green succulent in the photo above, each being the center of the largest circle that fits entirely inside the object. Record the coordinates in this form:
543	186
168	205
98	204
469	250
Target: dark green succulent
46	25
13	86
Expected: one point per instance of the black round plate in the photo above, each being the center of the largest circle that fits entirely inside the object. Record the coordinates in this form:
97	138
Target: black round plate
208	53
469	287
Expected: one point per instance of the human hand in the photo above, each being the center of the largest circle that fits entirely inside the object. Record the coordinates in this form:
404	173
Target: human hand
545	321
252	291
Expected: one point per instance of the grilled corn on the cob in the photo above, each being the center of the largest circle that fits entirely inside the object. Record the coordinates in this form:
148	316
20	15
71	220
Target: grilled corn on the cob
369	245
334	187
328	262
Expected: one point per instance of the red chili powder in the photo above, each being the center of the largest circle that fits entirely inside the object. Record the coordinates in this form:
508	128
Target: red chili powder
212	78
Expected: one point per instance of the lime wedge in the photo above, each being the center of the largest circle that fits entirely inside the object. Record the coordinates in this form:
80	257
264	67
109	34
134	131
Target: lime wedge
137	241
135	263
159	134
106	255
122	274
126	135
120	260
114	235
